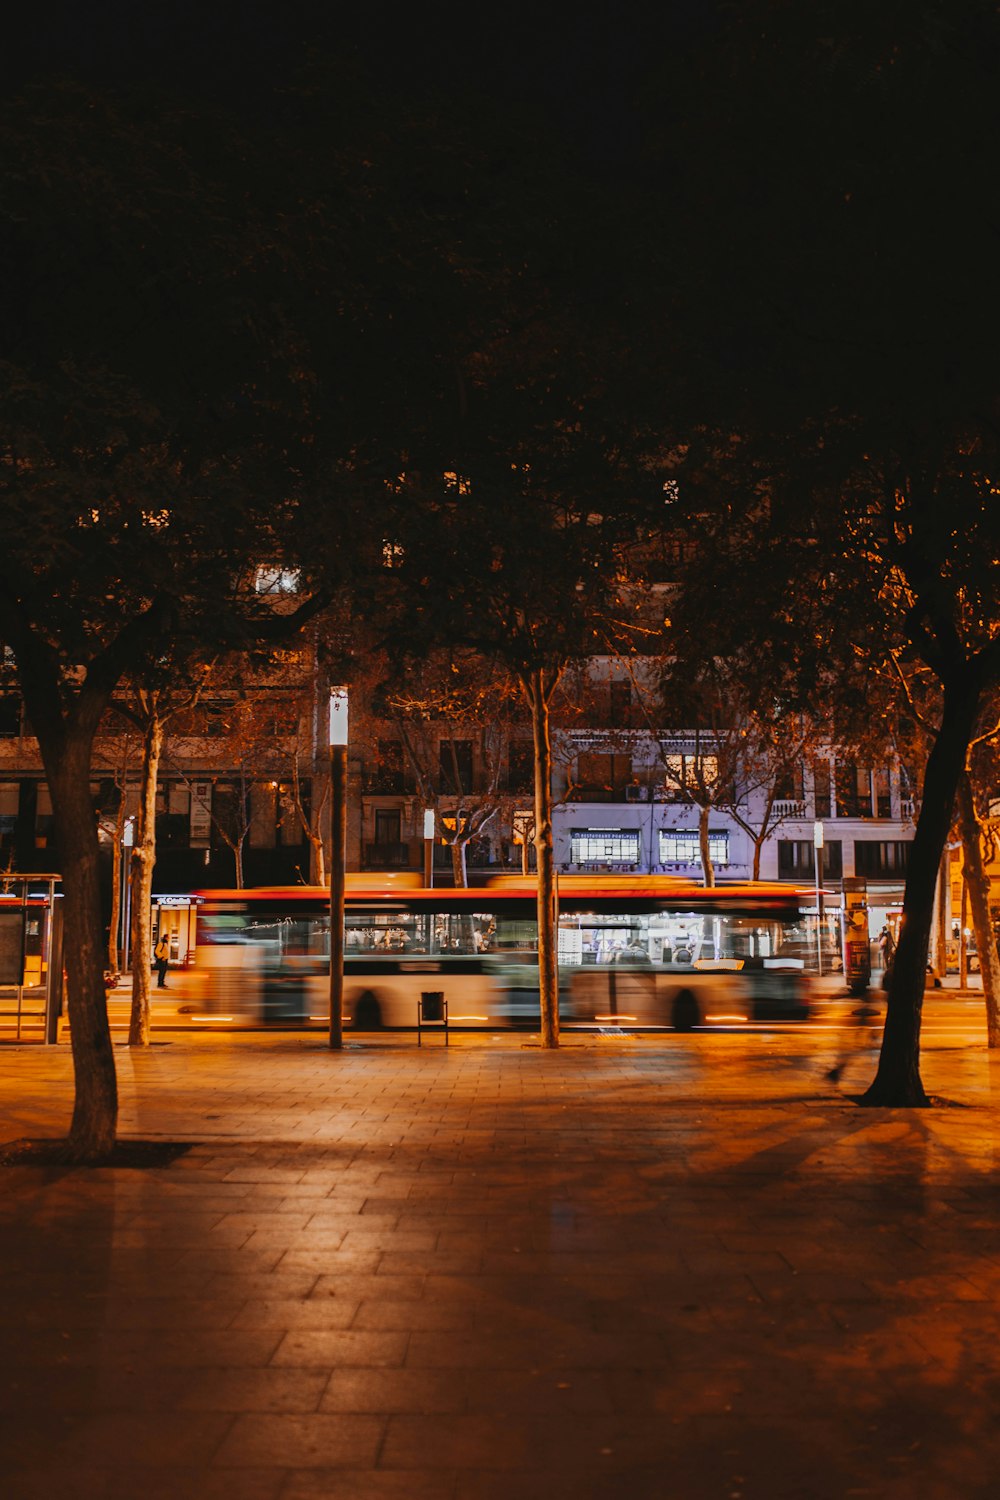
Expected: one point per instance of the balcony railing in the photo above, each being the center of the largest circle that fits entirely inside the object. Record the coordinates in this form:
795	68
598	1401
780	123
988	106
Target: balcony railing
387	856
789	807
388	784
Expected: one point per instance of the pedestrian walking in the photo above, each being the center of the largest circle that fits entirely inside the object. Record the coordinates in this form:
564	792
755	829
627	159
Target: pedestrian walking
859	1035
161	954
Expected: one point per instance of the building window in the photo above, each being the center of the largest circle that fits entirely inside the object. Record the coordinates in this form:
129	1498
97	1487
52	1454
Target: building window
796	859
231	811
883	801
291	832
881	857
387	774
680	846
602	778
455	762
686	772
45	823
821	788
788	786
520	766
207	721
271	579
173	816
10	716
263	815
621	702
388	828
10	796
604	846
388	852
853	787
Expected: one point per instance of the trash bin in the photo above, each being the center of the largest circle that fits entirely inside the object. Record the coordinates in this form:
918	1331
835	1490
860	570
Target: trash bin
432	1008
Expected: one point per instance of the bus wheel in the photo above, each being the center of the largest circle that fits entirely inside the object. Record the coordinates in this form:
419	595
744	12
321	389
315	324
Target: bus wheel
685	1015
368	1013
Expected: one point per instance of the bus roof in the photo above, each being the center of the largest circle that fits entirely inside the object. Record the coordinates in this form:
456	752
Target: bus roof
576	892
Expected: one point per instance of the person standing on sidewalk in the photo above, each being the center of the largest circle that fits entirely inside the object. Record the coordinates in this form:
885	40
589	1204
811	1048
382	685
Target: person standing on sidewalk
161	954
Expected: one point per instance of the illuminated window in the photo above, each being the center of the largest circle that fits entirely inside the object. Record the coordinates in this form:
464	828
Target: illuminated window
680	846
274	580
604	846
685	772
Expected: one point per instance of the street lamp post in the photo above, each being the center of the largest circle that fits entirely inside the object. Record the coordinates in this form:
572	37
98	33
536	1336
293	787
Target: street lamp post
125	901
338	859
428	847
818	848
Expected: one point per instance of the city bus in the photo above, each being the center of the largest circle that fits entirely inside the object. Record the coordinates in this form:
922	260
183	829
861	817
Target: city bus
634	951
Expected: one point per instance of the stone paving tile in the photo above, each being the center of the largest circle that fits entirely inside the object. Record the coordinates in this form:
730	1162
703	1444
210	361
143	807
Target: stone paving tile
333	1484
194	1484
384	1314
330	1312
268	1390
329	1348
380	1391
74	1483
288	1285
677	1269
210	1347
144	1439
291	1440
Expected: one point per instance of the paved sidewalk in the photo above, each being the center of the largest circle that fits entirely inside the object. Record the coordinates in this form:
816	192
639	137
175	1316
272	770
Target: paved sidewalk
671	1267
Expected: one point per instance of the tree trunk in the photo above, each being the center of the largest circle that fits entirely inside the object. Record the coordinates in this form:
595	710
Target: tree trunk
897	1082
95	1107
317	860
459	867
143	860
977	882
758	845
707	867
538	691
238	859
312	823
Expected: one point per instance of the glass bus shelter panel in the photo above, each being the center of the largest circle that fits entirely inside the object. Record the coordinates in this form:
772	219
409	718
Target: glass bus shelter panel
30	957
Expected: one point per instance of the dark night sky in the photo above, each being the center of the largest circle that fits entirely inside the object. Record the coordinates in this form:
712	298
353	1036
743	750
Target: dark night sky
579	68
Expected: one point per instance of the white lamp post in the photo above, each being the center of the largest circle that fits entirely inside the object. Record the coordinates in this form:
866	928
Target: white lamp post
428	847
338	859
818	848
128	842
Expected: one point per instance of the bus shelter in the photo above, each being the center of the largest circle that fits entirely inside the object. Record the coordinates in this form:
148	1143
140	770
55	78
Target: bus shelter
30	957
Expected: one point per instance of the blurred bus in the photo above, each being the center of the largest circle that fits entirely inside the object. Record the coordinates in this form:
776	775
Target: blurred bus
639	951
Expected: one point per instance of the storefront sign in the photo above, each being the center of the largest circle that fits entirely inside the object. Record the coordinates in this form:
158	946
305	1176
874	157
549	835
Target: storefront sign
201	815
